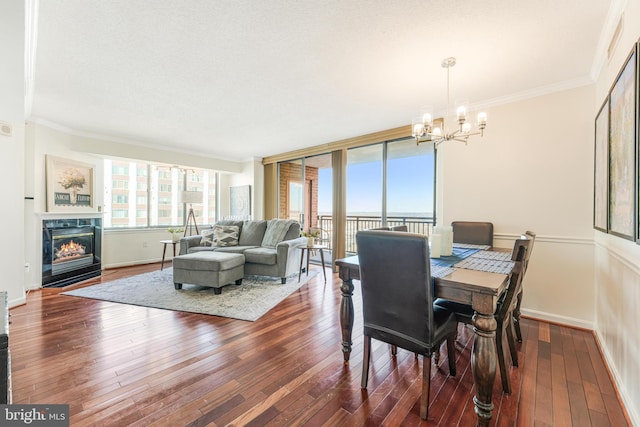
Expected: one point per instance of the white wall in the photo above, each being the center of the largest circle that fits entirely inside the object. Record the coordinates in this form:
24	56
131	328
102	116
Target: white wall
533	170
12	252
617	261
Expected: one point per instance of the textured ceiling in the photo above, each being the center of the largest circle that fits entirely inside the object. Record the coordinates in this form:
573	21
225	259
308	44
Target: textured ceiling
237	79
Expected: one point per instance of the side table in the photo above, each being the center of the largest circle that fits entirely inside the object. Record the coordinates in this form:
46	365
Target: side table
309	249
164	249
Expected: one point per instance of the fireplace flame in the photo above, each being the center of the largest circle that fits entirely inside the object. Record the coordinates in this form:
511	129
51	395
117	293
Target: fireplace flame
71	249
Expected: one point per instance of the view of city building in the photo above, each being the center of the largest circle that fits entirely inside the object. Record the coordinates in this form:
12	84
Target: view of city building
142	194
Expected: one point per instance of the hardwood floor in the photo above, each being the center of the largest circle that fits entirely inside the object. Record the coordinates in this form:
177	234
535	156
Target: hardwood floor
124	365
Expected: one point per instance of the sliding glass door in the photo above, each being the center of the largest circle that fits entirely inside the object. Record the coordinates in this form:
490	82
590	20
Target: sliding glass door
364	191
291	190
390	184
305	193
410	185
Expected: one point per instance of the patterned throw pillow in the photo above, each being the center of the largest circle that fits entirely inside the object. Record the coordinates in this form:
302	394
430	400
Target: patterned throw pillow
207	238
226	235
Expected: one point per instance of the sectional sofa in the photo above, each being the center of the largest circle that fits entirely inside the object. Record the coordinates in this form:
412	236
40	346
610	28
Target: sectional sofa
270	247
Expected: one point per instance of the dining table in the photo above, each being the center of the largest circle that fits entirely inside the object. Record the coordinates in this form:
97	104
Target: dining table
479	288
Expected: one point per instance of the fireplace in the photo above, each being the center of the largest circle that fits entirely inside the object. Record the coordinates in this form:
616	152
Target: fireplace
71	250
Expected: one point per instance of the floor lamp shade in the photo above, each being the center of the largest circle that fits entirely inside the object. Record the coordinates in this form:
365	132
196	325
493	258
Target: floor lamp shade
191	197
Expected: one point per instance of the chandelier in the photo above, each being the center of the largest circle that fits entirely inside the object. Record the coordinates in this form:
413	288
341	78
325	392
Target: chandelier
425	130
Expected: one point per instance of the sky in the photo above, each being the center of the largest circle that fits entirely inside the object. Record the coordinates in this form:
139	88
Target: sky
410	186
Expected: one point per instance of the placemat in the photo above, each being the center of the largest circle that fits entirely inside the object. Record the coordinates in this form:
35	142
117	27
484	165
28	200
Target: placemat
498	256
483	264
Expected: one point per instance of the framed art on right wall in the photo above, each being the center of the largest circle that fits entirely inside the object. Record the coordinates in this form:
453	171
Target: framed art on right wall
601	170
622	151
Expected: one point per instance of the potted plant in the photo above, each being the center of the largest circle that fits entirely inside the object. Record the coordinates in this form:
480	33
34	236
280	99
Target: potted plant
175	233
311	236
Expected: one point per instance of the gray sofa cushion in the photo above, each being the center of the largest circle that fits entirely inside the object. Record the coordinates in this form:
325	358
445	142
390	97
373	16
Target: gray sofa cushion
266	256
252	233
193	249
276	231
233	249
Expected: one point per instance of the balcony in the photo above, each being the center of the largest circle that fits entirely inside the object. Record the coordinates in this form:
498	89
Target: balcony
420	225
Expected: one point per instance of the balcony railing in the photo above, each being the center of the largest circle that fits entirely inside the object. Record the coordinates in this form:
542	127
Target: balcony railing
420	225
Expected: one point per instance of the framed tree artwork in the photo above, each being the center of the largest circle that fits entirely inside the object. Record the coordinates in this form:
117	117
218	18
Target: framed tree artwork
622	151
601	170
69	185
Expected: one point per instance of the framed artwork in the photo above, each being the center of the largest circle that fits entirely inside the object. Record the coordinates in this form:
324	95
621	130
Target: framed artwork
69	185
601	170
622	151
240	202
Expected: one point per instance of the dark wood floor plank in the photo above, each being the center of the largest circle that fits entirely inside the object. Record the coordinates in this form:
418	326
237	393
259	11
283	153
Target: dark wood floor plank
579	408
117	364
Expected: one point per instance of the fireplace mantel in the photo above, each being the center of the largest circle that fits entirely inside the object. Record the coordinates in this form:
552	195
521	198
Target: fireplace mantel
68	215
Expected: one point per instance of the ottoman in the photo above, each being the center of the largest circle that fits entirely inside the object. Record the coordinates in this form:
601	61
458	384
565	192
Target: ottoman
213	269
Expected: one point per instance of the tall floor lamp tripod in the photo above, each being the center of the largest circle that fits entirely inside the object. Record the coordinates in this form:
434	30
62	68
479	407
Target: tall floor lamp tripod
191	197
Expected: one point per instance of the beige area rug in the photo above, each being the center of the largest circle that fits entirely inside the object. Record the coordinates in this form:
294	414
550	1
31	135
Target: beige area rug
249	301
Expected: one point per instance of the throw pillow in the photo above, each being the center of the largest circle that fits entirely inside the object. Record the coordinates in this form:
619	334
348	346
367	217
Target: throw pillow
226	235
207	237
276	230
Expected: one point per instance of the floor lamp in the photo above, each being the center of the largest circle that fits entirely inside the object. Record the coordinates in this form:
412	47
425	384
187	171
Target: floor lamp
191	197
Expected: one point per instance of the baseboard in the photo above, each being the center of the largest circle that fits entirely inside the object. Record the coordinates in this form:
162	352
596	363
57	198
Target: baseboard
629	406
555	318
17	301
137	262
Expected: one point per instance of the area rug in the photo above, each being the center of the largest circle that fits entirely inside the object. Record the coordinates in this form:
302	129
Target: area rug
249	301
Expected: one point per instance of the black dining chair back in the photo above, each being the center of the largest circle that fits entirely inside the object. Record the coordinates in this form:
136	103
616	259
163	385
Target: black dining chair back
516	312
397	300
473	232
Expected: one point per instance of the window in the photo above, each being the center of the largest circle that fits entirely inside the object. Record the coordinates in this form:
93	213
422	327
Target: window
141	194
410	188
388	184
120	199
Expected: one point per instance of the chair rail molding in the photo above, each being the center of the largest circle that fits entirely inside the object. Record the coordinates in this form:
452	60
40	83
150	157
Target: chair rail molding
620	256
549	239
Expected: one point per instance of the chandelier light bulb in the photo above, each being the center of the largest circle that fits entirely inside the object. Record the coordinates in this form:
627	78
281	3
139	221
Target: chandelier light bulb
482	118
461	113
437	131
417	130
427	119
466	128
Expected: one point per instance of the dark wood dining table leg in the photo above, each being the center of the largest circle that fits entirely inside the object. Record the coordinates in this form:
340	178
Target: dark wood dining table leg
483	364
346	317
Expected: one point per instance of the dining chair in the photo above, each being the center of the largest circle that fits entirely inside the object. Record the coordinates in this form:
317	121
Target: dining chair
516	313
473	232
397	301
504	311
402	227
